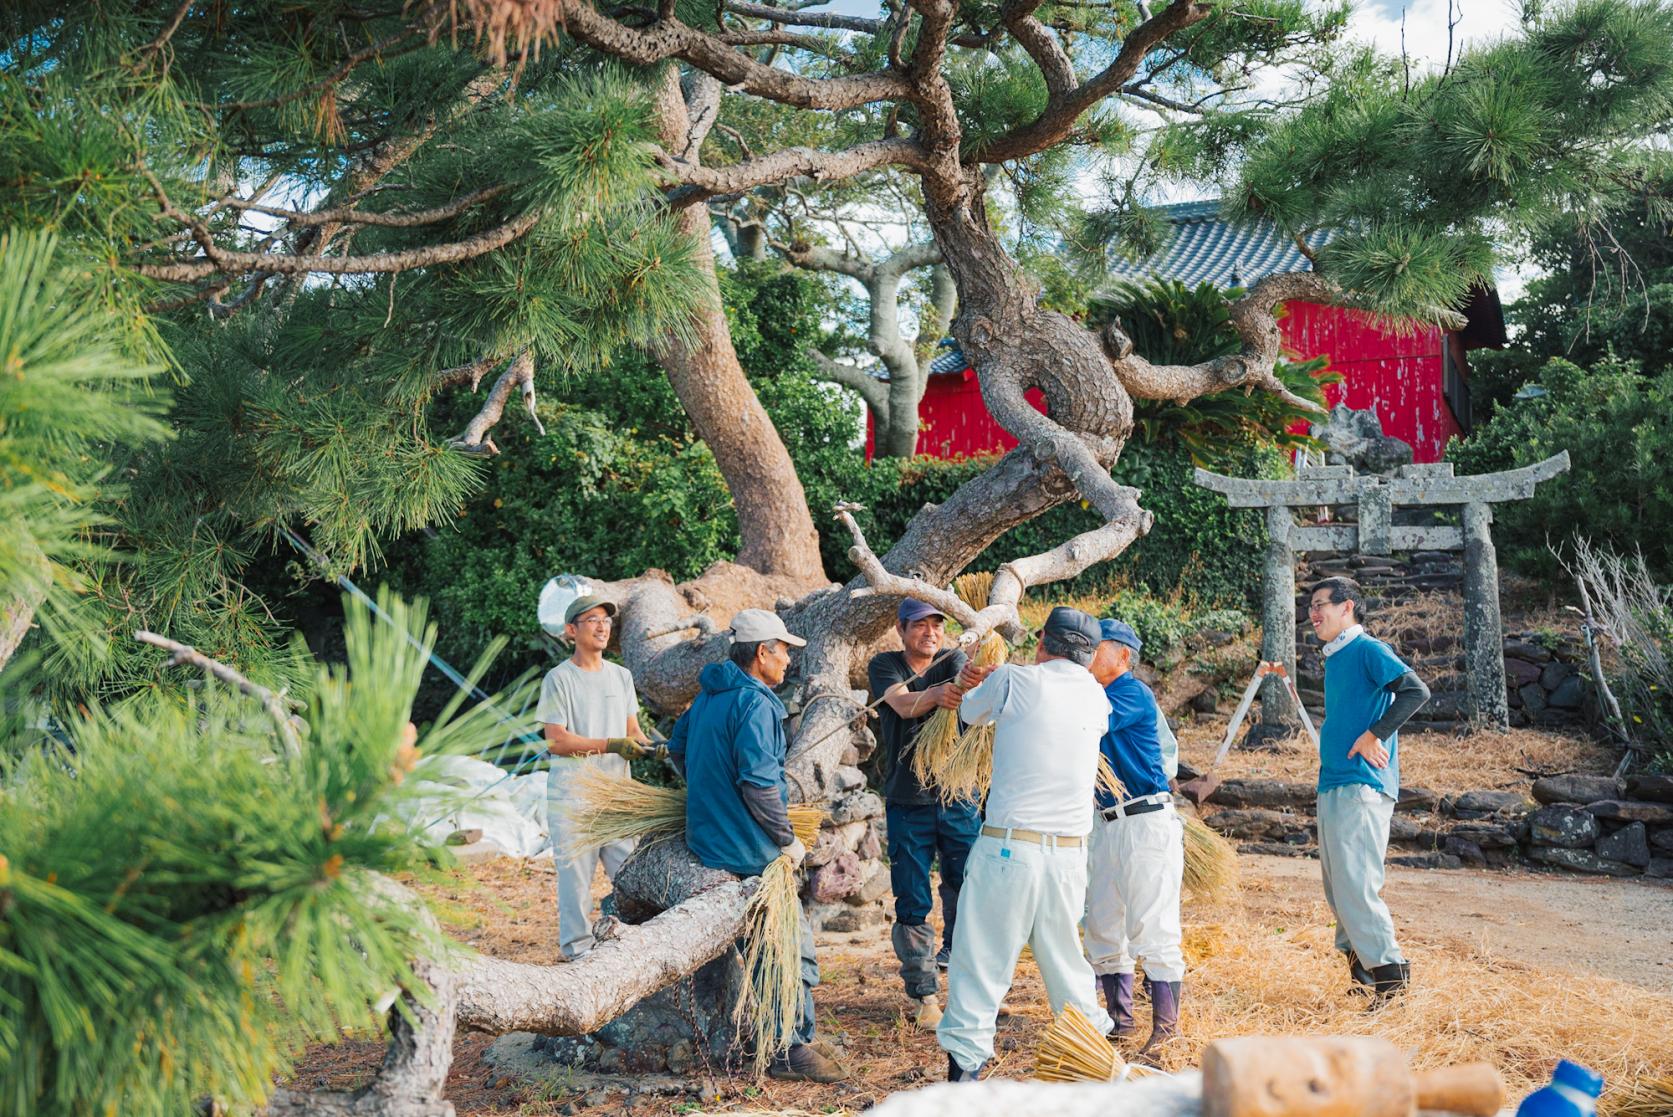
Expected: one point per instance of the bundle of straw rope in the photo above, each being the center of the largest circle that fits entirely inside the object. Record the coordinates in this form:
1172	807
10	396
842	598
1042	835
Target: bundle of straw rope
1072	1050
1211	868
960	765
606	808
603	808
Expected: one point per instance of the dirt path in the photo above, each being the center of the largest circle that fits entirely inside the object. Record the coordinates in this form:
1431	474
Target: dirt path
1622	929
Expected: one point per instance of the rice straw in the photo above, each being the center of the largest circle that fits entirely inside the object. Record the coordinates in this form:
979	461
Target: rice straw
604	808
1211	867
1072	1050
1108	782
1650	1097
770	997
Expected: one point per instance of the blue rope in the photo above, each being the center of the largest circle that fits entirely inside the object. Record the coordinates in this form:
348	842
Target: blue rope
447	669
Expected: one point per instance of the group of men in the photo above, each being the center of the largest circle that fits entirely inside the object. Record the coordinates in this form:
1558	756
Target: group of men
1051	853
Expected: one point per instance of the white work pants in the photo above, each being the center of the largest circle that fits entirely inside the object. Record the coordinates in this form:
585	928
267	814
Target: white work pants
1353	839
575	876
1015	893
1132	899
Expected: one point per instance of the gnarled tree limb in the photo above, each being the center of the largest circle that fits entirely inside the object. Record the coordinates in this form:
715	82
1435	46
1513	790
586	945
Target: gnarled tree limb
519	376
270	701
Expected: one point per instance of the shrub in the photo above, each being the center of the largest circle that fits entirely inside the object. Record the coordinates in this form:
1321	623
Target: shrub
1617	425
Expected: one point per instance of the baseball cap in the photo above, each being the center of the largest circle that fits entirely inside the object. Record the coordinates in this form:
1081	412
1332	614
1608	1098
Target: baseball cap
1073	625
582	604
750	626
1120	632
911	609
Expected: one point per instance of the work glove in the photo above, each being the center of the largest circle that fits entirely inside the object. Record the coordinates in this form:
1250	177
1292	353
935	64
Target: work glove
627	747
796	851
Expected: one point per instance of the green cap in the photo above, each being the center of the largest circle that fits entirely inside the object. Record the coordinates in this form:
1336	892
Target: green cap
582	604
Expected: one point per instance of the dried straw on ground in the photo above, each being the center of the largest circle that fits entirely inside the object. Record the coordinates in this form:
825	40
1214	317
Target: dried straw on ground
1281	975
1072	1050
1211	870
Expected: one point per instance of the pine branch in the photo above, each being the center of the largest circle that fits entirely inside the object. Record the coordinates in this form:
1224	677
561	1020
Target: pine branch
520	376
701	183
873	391
273	703
156	45
350	216
376	50
228	262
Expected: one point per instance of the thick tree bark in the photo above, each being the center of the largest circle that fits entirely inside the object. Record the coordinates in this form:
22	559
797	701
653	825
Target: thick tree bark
773	519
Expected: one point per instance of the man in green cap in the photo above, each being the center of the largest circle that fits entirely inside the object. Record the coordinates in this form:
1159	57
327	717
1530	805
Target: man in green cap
591	718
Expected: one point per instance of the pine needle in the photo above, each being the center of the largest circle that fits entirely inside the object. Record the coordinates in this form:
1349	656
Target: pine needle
1211	867
1072	1050
770	997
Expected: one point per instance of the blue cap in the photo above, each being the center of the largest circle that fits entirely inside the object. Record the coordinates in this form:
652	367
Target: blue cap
911	609
1577	1077
1121	633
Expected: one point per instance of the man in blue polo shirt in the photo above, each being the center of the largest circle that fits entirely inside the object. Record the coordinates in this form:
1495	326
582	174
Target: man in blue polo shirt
1369	693
730	746
1138	851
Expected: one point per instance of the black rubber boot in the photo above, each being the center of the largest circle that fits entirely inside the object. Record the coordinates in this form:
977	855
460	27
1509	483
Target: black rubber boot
1363	982
1118	999
1391	980
956	1073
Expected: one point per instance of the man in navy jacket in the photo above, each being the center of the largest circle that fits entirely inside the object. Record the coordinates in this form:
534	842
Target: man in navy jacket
730	744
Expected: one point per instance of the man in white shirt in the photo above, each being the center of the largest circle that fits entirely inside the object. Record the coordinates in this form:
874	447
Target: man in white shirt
1025	880
591	718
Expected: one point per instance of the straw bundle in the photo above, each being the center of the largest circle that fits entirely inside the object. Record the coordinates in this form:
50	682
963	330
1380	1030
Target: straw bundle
1651	1097
603	808
1211	868
771	994
958	765
973	589
1072	1050
1108	781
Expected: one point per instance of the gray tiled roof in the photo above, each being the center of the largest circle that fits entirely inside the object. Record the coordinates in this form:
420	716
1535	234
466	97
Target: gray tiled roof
1206	248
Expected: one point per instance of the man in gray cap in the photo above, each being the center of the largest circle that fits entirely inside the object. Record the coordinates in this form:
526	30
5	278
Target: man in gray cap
1025	881
591	718
730	746
1138	850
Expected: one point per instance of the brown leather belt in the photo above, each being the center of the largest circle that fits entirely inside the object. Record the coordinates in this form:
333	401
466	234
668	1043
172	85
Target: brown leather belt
1033	837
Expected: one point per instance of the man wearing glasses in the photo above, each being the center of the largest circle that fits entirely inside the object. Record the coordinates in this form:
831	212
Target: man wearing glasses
590	715
1369	693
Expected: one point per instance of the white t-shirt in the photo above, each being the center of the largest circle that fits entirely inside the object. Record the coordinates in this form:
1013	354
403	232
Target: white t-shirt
1048	718
588	704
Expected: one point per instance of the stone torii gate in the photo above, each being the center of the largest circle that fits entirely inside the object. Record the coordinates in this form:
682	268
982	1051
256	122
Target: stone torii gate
1376	497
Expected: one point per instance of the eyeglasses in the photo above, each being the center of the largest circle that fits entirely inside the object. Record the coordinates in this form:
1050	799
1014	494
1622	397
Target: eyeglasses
1318	606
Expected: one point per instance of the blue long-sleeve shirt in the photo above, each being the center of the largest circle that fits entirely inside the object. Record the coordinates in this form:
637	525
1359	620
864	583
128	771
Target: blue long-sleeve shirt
1131	743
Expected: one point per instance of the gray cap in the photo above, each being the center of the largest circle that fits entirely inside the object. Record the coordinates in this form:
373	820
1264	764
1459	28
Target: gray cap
751	626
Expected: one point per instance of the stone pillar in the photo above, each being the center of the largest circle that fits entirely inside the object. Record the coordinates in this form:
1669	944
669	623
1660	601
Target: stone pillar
1278	618
1484	655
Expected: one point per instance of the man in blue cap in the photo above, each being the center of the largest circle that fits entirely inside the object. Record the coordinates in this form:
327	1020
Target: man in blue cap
1025	881
912	684
730	746
1138	850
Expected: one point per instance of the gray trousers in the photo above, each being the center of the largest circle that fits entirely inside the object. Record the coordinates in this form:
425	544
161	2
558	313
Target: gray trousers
1353	839
575	882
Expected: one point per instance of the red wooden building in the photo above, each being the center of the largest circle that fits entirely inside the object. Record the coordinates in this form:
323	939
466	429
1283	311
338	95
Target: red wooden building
1417	381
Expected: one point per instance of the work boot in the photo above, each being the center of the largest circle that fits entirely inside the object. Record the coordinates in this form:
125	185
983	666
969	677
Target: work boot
1118	999
956	1073
1391	980
1363	982
1164	1015
804	1063
929	1013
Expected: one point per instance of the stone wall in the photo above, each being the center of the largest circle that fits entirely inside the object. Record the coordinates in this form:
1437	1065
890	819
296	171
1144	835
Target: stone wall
846	878
1590	824
1414	603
